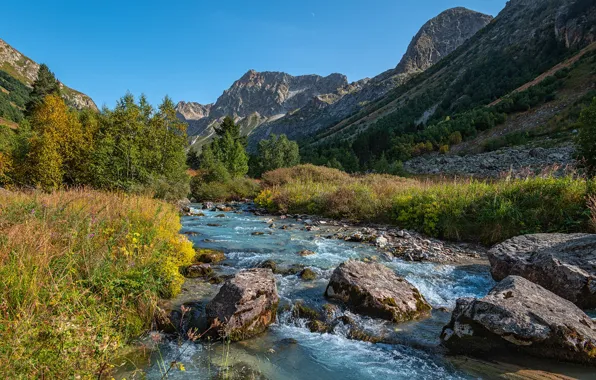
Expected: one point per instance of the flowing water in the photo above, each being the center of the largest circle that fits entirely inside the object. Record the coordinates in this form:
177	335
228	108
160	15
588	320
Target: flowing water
289	350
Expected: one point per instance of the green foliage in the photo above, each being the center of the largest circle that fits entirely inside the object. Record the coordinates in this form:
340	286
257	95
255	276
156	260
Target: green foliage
510	139
45	84
586	140
14	99
228	151
274	153
486	212
237	189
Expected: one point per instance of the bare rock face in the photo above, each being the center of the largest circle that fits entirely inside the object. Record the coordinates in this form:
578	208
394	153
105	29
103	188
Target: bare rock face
245	305
520	315
376	291
435	40
439	37
565	264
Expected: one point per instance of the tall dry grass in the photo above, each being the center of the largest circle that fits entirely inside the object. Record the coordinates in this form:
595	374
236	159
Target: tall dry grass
592	207
80	273
470	210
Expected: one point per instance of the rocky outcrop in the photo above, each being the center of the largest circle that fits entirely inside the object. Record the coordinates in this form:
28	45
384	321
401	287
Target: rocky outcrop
258	97
520	315
25	70
439	37
509	161
376	291
435	40
564	264
245	305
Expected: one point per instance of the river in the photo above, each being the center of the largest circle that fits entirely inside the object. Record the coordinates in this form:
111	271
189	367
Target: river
289	350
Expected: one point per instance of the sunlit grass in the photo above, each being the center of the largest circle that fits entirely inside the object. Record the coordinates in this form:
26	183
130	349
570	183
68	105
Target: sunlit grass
471	210
80	274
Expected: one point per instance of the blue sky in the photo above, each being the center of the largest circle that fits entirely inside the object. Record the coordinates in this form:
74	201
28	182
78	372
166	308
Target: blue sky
194	50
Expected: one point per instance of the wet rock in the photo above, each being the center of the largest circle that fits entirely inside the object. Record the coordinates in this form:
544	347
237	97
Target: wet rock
208	206
209	256
317	326
306	252
198	270
191	233
520	315
356	237
269	264
308	274
289	270
213	225
220	215
381	242
258	233
239	371
565	264
375	290
245	305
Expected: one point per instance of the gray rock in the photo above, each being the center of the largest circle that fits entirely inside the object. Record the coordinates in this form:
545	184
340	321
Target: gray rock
245	305
375	290
520	315
565	264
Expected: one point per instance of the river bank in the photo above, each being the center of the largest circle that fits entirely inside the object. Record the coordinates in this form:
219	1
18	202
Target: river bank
289	349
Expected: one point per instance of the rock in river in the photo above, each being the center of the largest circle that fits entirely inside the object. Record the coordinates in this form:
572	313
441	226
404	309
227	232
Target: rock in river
376	291
245	305
520	315
565	264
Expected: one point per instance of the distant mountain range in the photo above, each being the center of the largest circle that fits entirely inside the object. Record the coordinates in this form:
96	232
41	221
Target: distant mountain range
275	102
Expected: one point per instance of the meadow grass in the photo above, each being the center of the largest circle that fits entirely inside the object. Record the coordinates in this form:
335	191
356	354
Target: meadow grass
467	210
80	276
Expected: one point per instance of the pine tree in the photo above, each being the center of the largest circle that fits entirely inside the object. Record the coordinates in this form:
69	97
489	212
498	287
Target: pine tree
45	84
586	140
277	152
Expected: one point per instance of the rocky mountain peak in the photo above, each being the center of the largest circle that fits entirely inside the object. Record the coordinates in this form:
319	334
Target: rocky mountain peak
193	110
439	37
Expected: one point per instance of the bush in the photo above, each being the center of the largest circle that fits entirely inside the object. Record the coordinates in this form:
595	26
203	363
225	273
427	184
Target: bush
231	190
81	275
479	211
592	207
586	140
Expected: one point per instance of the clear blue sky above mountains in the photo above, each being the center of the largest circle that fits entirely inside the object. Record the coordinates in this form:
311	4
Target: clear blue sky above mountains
193	50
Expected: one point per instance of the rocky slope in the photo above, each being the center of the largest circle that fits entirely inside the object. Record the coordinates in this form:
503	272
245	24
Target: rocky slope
25	70
257	97
527	38
300	106
436	39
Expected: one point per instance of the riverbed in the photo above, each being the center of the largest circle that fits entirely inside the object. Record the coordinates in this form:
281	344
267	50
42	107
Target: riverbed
289	350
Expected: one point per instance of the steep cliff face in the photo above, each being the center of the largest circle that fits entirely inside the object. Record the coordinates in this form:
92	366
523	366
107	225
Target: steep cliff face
25	70
436	39
439	37
256	98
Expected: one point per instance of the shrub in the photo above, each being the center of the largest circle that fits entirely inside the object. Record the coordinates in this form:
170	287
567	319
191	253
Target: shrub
233	189
81	273
586	146
592	207
479	211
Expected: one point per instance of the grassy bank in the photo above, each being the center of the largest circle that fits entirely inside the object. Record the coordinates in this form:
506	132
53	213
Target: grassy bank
80	273
467	210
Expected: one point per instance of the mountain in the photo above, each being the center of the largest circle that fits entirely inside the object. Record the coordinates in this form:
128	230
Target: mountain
435	40
255	98
24	69
526	39
265	103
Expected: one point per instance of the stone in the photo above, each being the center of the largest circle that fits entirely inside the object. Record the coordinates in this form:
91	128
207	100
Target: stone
375	290
245	305
381	242
308	274
306	252
209	256
257	233
565	264
198	270
518	315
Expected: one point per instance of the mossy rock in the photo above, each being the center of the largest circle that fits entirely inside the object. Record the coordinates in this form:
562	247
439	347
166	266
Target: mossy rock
209	256
308	274
301	310
198	270
317	326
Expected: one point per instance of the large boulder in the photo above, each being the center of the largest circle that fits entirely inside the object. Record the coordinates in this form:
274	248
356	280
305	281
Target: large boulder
565	264
245	305
376	291
520	315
